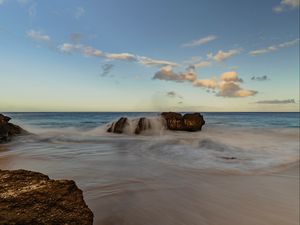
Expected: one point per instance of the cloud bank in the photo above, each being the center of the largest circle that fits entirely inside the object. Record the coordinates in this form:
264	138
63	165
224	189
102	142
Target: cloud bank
286	5
286	101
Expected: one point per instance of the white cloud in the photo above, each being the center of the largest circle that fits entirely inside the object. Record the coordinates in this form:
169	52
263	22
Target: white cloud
80	11
286	5
223	55
200	41
38	36
120	56
273	48
82	49
153	62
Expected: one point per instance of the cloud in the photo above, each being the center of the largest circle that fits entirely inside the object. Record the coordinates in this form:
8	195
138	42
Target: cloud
226	86
82	49
231	76
223	55
200	41
80	11
166	73
106	69
286	5
38	36
202	64
120	56
286	101
206	83
231	89
2	1
261	78
173	94
153	62
273	48
32	10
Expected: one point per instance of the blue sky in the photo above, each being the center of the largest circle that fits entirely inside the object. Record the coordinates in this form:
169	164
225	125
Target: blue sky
138	55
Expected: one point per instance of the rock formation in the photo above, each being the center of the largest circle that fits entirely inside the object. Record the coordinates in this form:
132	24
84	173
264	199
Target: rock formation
170	120
32	198
8	130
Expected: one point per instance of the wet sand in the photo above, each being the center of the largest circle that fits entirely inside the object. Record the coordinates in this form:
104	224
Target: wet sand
196	199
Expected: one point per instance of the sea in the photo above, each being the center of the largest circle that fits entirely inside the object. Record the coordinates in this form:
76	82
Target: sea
141	179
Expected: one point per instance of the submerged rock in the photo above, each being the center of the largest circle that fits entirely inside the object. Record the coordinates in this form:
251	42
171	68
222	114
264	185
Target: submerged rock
118	126
9	130
168	120
28	197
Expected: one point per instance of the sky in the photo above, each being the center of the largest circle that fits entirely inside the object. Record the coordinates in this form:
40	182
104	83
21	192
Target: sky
142	55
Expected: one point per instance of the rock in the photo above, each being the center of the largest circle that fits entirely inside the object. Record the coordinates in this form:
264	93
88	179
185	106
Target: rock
142	125
9	130
118	127
188	122
193	121
28	197
169	120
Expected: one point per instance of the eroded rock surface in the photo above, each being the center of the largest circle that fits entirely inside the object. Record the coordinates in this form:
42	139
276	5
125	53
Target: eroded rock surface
9	130
28	198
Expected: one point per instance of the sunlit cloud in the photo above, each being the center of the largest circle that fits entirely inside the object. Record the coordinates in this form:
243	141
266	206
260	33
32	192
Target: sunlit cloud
120	56
231	76
167	73
231	89
286	5
273	48
200	41
84	50
223	55
38	36
226	86
286	101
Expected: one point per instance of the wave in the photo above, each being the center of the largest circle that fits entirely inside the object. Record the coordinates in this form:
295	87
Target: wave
214	148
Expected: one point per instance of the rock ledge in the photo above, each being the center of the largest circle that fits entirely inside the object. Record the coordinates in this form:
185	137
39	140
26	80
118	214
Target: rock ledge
28	197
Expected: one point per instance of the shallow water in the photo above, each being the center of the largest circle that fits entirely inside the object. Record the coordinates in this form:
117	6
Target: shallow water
164	177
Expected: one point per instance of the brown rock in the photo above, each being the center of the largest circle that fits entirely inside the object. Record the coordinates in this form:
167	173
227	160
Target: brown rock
9	130
118	127
142	125
28	197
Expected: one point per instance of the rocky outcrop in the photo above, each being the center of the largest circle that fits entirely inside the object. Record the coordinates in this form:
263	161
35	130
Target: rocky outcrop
32	198
118	126
9	130
169	120
187	122
142	125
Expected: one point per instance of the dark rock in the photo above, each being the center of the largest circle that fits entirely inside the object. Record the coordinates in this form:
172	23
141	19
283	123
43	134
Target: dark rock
188	122
193	122
118	127
142	125
228	158
32	198
9	130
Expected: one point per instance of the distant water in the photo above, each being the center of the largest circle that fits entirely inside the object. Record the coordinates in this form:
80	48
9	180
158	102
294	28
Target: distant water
77	146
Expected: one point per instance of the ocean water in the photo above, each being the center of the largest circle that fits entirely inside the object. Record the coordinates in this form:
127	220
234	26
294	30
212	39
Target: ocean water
139	179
